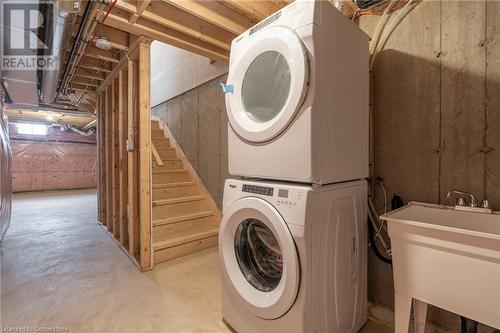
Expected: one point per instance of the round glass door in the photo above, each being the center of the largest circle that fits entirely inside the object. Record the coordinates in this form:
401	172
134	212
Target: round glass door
269	77
259	254
266	86
259	260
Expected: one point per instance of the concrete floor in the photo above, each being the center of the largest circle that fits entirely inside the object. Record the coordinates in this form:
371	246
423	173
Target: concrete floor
59	268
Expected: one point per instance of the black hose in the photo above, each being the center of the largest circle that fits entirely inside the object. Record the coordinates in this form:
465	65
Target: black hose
374	247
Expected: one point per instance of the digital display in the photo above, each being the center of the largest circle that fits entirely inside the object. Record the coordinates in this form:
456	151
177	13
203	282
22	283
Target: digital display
283	193
258	190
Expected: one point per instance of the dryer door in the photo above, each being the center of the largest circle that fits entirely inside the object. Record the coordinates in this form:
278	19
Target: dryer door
269	84
259	257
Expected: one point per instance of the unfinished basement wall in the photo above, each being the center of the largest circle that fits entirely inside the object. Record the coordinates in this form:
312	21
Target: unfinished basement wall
437	113
5	170
198	121
58	161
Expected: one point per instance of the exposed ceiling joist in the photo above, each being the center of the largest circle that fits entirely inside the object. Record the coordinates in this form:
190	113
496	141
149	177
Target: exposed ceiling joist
94	52
141	5
82	74
215	13
118	19
176	19
254	10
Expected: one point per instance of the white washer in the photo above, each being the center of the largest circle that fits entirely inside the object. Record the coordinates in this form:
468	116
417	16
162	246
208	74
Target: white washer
297	97
293	257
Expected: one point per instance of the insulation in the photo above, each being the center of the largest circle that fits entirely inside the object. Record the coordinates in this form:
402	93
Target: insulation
53	165
5	172
58	160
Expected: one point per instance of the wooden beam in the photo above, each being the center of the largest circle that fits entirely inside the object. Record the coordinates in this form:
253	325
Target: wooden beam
82	87
91	77
141	5
145	205
131	55
115	159
84	83
101	135
94	52
95	68
109	160
72	88
133	174
122	165
118	20
118	39
254	10
172	17
215	13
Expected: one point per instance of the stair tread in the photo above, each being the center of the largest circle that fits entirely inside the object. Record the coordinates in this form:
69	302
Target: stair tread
160	245
171	170
185	217
178	200
176	184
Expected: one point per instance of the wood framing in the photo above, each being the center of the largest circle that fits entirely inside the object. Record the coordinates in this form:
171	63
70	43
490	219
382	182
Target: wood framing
125	153
132	129
117	83
144	112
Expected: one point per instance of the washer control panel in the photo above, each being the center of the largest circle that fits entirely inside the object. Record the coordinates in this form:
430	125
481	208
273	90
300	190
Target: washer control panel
269	191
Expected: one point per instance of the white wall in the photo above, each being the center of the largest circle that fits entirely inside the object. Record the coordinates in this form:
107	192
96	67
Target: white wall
175	71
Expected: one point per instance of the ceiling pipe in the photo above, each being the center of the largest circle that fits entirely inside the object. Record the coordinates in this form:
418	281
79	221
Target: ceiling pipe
64	17
87	32
78	40
52	108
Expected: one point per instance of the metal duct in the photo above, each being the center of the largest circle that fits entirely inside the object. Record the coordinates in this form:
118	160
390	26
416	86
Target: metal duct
77	130
64	17
21	84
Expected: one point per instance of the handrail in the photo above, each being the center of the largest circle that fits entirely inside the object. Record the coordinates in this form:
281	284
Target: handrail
156	155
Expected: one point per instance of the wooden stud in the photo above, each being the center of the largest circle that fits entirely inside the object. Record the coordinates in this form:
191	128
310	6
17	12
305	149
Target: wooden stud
115	159
133	206
101	137
122	166
145	156
109	162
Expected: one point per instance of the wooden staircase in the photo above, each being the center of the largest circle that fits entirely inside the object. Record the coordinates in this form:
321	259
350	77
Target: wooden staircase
185	217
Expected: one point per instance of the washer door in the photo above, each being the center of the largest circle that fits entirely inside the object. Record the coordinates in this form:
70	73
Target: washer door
269	84
259	257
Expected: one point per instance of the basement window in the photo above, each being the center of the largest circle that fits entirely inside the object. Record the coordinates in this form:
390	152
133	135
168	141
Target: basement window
32	129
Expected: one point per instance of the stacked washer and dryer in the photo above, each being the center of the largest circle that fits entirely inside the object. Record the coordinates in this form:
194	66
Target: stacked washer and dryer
292	243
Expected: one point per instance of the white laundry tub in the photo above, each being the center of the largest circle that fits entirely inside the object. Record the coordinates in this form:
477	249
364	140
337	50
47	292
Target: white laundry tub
447	258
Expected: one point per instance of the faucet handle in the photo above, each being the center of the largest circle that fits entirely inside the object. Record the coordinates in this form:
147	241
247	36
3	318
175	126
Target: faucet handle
485	204
460	202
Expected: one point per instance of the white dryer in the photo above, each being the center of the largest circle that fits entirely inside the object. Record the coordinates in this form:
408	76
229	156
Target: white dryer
297	97
293	257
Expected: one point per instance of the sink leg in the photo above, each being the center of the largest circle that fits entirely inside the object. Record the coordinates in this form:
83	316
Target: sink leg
402	310
420	314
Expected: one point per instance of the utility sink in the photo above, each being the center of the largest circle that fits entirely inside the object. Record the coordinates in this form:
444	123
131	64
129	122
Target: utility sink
445	257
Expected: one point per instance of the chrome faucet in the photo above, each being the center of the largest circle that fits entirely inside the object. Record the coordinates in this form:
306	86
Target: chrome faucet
462	205
460	201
